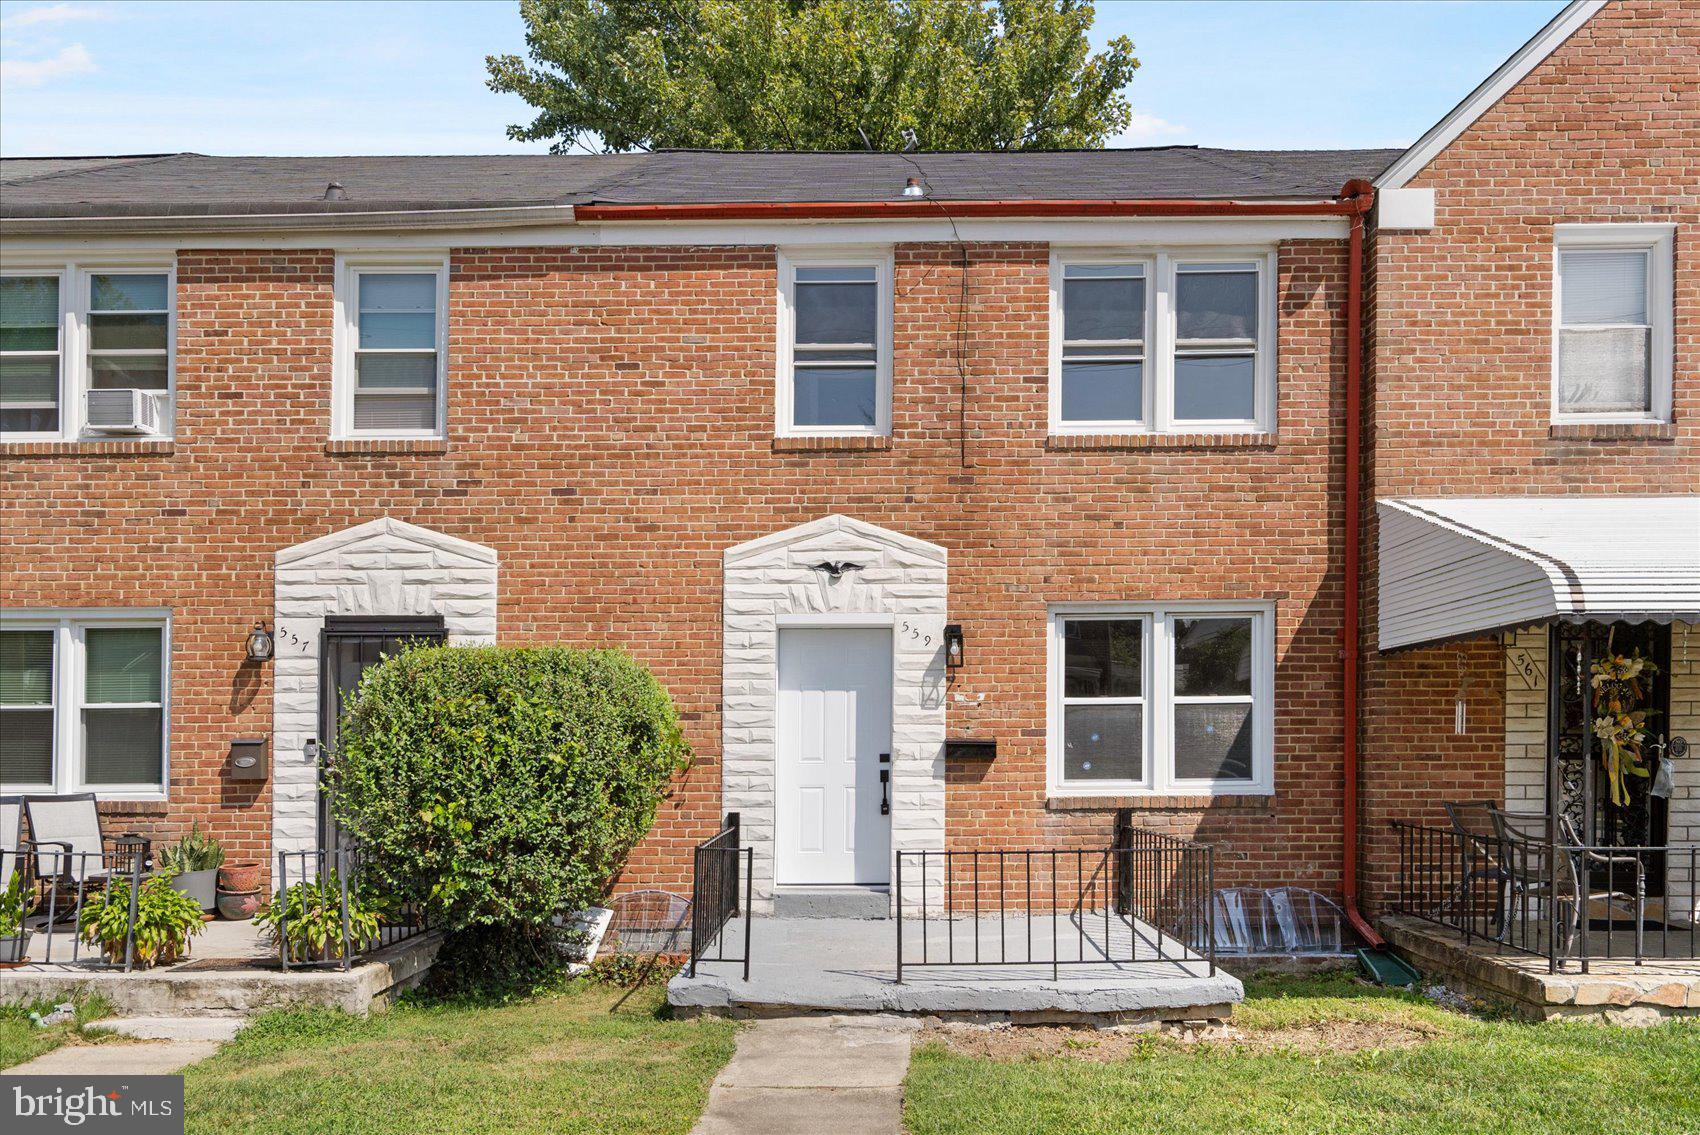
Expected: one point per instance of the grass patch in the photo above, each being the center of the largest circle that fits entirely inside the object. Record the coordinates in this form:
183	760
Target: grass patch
587	1058
21	1039
1467	1076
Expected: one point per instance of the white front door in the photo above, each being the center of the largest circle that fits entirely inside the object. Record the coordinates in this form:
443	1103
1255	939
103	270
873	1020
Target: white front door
834	728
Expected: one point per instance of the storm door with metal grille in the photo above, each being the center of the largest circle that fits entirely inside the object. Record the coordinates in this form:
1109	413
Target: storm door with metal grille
348	646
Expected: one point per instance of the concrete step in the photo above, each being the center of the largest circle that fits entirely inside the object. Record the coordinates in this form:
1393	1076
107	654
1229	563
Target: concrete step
217	1029
832	902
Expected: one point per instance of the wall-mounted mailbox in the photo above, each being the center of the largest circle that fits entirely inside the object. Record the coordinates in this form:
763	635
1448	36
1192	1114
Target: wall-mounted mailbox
248	759
970	749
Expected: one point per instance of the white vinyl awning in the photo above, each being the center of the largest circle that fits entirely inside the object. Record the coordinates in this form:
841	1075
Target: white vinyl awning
1455	568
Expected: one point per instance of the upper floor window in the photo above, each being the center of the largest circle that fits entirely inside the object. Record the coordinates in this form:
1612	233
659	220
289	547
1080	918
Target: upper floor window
83	702
1162	342
86	350
1161	700
1613	323
834	344
391	351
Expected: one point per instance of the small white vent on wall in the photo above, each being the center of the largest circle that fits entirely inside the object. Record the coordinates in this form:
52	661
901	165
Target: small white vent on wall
121	412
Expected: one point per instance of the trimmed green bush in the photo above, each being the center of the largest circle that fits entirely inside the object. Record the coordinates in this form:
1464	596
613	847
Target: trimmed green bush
504	785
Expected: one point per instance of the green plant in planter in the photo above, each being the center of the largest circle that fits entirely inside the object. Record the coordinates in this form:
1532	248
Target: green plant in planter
309	917
165	920
14	904
196	851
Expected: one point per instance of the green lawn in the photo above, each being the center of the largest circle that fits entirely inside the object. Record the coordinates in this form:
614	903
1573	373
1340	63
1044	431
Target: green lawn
22	1039
1462	1076
569	1062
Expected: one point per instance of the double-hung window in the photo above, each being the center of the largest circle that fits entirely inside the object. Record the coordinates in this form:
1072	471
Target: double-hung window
391	352
70	328
1152	700
834	344
1163	342
1613	323
84	703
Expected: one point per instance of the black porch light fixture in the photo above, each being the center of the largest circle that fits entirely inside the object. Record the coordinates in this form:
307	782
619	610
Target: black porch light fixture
259	643
953	646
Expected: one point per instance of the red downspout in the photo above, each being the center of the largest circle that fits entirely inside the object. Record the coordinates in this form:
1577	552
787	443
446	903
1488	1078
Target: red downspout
1361	195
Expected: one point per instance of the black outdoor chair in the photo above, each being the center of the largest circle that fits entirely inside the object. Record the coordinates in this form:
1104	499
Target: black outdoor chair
1474	822
1525	850
72	852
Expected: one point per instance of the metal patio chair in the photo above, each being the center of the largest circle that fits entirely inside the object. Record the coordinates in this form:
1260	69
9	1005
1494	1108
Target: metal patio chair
72	852
1476	827
1583	860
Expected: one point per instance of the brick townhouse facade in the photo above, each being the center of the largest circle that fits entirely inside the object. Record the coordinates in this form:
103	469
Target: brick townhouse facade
786	434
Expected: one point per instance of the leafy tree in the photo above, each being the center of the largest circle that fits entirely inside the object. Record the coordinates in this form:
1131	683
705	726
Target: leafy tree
816	74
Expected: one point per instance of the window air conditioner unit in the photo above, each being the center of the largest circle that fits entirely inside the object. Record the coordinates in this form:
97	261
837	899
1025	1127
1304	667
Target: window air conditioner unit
122	412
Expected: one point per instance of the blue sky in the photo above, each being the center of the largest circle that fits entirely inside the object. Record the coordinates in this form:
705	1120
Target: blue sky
324	77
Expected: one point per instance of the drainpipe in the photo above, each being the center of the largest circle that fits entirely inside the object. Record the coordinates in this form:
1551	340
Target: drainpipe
1360	195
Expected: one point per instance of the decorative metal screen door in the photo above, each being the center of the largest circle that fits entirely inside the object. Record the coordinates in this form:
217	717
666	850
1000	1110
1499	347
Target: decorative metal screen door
348	645
1644	821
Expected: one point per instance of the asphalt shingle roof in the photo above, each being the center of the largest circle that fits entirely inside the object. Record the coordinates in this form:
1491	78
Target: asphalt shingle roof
201	185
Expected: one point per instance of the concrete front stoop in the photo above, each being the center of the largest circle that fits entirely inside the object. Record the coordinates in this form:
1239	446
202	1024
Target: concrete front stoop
829	1074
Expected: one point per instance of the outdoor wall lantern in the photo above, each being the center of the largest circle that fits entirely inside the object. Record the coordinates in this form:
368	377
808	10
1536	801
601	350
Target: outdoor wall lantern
953	646
259	644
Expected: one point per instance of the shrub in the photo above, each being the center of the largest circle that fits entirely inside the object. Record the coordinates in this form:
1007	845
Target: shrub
309	916
165	920
196	851
503	785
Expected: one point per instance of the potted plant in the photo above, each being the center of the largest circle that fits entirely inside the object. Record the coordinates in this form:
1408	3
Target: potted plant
166	919
239	877
14	935
308	919
193	862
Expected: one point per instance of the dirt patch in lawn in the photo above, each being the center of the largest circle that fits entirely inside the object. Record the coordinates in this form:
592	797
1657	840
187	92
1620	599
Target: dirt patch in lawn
1106	1046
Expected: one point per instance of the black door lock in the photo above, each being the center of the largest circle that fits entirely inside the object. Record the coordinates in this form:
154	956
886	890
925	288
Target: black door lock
885	785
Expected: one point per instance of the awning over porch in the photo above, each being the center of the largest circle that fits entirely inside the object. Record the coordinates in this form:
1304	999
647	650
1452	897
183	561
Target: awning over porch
1454	568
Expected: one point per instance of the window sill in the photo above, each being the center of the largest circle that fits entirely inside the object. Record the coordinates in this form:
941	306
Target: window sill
1612	431
1162	441
1253	802
357	446
91	447
845	443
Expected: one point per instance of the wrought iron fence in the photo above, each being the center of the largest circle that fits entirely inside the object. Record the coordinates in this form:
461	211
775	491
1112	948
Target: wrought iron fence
1586	903
1144	899
717	869
338	912
65	883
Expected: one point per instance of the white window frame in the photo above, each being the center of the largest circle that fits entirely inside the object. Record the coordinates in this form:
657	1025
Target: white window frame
1658	241
76	285
1160	339
1159	699
69	629
788	260
345	338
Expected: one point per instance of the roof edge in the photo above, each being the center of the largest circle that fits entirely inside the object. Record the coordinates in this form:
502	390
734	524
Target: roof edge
1495	87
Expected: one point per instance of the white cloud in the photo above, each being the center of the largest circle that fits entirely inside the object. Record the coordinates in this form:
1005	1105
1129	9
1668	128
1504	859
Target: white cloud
51	14
1148	129
72	60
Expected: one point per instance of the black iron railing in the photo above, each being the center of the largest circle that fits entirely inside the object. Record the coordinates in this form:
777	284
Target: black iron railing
1585	904
1144	899
340	915
718	868
65	883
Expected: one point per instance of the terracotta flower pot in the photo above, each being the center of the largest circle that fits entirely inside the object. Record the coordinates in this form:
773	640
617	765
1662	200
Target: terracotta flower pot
238	905
240	877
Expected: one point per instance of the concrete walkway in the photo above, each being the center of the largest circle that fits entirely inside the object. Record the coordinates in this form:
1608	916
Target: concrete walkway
831	1074
164	1045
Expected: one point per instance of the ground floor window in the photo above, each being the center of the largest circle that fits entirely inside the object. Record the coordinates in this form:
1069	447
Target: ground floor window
83	702
1171	699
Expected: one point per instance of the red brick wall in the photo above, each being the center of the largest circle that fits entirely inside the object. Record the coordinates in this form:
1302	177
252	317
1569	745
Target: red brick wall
611	432
1606	129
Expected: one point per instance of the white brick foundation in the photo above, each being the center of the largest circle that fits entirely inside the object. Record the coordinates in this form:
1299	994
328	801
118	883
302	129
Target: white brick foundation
770	579
383	567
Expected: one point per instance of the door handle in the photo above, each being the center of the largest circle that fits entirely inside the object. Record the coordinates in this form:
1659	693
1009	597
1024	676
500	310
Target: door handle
885	786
